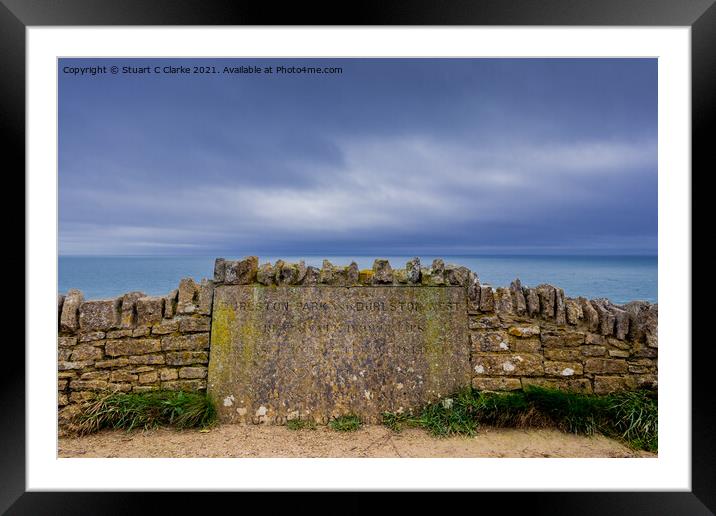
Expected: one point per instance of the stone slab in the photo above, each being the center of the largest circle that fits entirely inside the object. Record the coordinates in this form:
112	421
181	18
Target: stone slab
319	352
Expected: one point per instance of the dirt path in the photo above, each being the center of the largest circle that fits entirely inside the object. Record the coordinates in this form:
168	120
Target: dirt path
369	441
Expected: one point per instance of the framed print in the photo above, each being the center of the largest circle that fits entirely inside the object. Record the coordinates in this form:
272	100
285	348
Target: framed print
414	251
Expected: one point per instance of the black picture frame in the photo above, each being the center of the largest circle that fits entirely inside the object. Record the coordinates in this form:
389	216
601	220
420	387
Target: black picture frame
700	15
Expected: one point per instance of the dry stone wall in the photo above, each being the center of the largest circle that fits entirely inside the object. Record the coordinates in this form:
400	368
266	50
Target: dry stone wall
516	335
133	343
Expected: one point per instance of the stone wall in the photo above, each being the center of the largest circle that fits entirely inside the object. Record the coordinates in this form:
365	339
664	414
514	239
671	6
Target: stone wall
516	335
133	343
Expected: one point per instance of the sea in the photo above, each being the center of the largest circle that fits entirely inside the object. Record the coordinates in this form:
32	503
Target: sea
618	278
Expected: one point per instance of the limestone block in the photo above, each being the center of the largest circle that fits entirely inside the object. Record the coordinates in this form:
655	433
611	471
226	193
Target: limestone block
522	364
129	312
559	368
115	348
195	341
150	310
496	384
100	315
605	365
69	319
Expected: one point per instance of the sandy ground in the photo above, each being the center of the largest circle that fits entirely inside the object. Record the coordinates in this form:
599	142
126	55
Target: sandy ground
369	441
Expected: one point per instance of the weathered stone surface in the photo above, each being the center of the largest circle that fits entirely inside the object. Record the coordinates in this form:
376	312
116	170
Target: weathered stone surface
196	341
206	296
382	272
490	341
95	375
619	353
473	293
555	368
522	364
184	385
165	327
525	344
606	317
91	336
150	377
573	310
100	315
581	385
69	319
219	270
188	296
128	307
496	384
560	311
334	350
532	298
487	299
524	331
189	373
142	331
66	342
594	339
85	352
150	310
609	384
503	301
593	351
145	388
643	324
621	324
116	362
168	374
146	360
118	334
605	365
547	299
187	357
60	302
485	322
88	385
195	325
591	316
122	376
115	348
352	274
289	273
437	272
412	269
241	272
170	304
266	275
561	339
456	275
563	355
325	275
312	276
518	297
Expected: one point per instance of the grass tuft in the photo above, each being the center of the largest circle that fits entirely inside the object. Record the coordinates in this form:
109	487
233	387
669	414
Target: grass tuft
145	410
630	416
348	423
301	424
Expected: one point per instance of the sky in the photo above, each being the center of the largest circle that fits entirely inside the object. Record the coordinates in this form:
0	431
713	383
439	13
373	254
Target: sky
390	156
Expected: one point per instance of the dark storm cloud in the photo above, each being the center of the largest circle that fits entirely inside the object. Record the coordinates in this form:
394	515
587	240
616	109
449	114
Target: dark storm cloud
390	156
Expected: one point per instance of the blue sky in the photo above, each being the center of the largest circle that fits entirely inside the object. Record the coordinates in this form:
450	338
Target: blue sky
414	156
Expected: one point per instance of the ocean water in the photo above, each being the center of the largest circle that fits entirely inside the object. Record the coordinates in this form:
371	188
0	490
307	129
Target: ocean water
619	278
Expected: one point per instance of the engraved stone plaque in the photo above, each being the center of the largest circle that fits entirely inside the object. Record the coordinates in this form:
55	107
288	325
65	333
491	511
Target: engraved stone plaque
318	352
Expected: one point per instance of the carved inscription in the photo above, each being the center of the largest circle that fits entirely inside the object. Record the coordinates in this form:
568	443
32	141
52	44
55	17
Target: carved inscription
320	352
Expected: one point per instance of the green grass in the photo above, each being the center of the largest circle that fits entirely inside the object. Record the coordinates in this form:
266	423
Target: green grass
300	424
629	416
146	410
348	423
